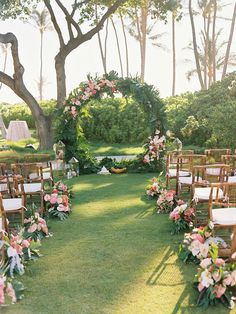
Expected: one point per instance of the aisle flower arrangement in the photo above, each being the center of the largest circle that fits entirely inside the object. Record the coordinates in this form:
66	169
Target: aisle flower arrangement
154	188
199	244
35	227
58	203
10	289
214	280
182	217
166	201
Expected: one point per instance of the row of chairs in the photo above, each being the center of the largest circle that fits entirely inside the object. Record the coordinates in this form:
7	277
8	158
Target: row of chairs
20	183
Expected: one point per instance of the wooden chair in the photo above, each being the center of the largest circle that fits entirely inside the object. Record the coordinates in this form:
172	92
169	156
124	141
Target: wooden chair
13	207
171	165
188	162
29	190
3	219
214	155
205	175
222	212
231	161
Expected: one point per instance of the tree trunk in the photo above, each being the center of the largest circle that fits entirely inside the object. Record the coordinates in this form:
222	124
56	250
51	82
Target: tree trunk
41	68
205	41
214	41
126	45
118	47
196	55
102	54
229	43
61	79
16	84
144	16
173	54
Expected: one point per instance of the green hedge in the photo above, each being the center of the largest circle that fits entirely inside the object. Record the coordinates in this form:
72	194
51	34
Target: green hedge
205	118
116	120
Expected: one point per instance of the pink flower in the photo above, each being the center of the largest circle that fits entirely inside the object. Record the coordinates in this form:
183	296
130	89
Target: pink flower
53	199
61	208
11	292
200	287
146	159
198	237
25	243
227	280
233	276
32	228
205	262
219	290
219	262
180	202
216	276
47	198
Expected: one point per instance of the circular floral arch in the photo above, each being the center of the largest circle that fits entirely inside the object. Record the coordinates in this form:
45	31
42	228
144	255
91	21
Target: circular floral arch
69	129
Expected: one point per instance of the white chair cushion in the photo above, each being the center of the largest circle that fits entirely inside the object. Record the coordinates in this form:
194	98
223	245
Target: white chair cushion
232	179
224	216
173	173
12	204
188	180
31	187
46	175
3	187
204	193
33	176
213	171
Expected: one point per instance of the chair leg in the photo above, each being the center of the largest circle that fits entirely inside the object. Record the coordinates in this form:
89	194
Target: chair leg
233	243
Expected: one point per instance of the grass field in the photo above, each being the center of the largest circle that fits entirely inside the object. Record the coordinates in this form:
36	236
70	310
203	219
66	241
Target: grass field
112	256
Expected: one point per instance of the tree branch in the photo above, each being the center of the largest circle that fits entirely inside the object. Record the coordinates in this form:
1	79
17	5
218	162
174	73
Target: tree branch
54	21
6	80
69	18
99	26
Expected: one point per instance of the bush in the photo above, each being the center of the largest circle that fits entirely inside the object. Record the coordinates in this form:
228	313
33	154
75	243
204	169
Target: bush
117	120
11	112
205	118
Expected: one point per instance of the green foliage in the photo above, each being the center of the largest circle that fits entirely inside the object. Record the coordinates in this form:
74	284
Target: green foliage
22	112
205	118
115	121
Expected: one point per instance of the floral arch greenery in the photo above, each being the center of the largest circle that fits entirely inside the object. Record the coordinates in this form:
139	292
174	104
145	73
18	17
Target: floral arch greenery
68	129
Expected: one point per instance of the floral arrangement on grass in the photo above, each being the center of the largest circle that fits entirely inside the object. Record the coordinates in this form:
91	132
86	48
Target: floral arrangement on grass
61	188
213	280
10	289
156	145
199	244
166	201
58	203
93	88
35	227
182	217
155	187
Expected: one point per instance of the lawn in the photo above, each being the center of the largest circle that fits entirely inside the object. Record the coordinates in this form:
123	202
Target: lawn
113	256
104	149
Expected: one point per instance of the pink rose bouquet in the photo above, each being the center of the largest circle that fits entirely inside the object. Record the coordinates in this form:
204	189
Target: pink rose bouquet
182	217
166	201
155	187
156	145
58	204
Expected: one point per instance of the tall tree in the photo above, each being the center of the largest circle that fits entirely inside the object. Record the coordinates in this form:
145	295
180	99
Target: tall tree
126	42
42	22
79	13
17	85
118	47
229	42
195	47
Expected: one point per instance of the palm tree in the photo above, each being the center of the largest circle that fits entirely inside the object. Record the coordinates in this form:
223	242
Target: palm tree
42	22
214	58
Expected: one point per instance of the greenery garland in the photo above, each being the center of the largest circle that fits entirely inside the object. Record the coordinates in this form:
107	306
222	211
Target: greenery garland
68	128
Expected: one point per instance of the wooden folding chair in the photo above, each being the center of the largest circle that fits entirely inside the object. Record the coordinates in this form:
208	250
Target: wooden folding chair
231	161
171	165
187	162
222	212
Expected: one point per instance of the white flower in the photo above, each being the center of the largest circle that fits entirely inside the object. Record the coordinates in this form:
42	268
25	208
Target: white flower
211	225
206	279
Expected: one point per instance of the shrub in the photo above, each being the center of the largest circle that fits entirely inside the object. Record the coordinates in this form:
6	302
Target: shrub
117	120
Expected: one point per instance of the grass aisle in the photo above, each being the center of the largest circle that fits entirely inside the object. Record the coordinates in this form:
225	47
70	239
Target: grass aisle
111	256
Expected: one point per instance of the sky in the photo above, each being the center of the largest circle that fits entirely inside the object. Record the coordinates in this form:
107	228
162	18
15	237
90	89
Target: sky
86	58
